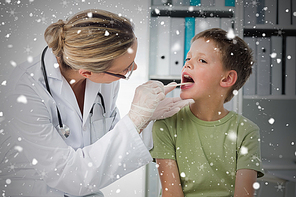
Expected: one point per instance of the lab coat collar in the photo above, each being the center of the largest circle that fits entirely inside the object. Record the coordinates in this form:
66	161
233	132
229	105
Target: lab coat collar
91	89
91	92
52	69
56	80
52	66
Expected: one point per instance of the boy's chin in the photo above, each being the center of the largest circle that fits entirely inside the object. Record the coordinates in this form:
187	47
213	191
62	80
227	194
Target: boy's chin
184	96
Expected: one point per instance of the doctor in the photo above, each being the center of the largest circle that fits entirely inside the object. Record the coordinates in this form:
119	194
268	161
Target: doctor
62	134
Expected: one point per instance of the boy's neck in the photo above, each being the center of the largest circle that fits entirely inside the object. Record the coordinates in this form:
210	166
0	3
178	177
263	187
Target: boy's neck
208	112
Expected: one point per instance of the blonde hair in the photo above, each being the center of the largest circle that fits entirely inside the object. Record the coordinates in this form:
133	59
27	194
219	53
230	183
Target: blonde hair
90	39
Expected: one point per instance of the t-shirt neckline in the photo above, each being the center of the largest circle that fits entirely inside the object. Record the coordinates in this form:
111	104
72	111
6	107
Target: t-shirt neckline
209	123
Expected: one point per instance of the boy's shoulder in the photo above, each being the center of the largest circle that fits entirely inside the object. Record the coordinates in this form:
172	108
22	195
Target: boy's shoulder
244	127
243	121
174	120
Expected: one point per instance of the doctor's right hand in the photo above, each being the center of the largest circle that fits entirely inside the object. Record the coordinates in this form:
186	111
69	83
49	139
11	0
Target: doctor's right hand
146	99
170	106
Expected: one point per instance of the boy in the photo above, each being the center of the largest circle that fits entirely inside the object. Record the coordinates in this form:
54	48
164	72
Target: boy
205	150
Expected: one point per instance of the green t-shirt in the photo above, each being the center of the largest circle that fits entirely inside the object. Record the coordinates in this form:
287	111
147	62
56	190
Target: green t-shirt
208	153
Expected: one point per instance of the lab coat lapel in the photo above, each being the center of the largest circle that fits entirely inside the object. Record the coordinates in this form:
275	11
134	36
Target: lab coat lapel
91	91
54	75
68	94
61	87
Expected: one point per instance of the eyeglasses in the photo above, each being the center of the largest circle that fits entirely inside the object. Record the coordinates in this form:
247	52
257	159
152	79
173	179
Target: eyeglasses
127	75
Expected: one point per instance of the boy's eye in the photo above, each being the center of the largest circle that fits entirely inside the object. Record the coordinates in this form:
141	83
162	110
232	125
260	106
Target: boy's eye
202	61
187	59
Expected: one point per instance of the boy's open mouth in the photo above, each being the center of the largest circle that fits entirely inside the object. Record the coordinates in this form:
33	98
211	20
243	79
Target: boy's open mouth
187	78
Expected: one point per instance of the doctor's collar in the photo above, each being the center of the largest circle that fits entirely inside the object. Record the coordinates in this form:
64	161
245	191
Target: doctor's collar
52	65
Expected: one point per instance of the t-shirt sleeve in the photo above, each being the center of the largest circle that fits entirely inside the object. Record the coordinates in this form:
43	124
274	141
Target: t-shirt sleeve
249	152
163	144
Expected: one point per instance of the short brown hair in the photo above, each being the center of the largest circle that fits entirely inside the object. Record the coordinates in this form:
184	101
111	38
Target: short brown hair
90	39
235	53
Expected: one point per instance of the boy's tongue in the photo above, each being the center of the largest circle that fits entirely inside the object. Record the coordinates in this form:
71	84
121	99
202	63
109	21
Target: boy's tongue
187	78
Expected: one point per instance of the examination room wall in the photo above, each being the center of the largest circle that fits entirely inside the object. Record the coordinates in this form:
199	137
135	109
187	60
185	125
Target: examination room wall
22	25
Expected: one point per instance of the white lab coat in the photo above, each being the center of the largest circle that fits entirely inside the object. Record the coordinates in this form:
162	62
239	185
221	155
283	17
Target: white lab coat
36	161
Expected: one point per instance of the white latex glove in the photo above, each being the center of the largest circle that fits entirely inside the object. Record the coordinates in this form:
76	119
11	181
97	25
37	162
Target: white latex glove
146	99
169	106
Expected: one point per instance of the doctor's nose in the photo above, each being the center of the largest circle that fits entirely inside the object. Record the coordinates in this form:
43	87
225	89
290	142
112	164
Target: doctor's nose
135	66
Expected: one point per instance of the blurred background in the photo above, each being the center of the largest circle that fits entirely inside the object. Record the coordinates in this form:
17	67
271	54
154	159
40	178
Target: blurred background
164	29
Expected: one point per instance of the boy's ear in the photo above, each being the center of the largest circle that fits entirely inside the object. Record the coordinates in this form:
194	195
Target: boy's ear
229	79
85	73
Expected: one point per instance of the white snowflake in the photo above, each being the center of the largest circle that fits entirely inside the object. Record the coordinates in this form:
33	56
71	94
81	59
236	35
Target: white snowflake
72	81
13	63
90	15
111	177
12	12
11	167
107	33
170	164
157	11
279	187
271	121
30	59
64	3
22	99
230	34
43	174
18	148
34	161
140	9
183	174
244	150
273	55
191	9
232	136
256	185
44	20
28	50
254	3
201	167
140	163
130	50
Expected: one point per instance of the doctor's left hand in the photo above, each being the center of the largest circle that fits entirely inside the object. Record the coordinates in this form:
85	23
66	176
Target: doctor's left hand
169	106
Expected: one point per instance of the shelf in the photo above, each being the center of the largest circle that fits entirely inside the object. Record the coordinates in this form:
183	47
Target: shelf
192	11
209	8
268	30
270	97
269	26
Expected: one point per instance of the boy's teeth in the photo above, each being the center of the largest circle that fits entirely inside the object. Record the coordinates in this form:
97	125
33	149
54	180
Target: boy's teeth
187	76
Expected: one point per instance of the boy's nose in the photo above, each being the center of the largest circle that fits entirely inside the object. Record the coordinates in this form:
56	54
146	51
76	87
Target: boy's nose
188	65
